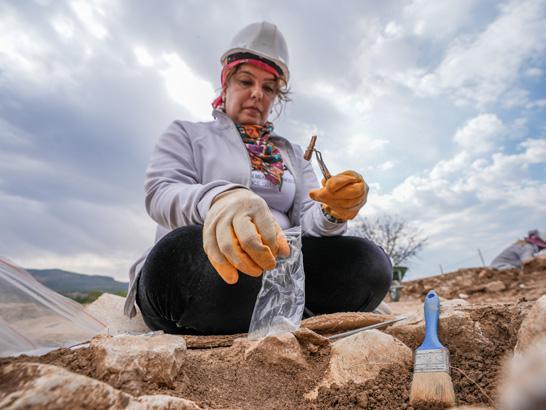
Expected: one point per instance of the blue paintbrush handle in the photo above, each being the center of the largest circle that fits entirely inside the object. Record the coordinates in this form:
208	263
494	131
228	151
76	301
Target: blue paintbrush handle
432	314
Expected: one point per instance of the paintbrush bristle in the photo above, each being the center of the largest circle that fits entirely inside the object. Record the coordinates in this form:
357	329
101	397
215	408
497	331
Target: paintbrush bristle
432	388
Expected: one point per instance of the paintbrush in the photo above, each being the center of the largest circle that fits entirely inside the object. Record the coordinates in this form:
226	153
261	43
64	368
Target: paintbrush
431	384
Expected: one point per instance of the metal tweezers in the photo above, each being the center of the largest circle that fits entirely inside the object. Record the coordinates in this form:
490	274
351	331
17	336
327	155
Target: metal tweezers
309	153
362	329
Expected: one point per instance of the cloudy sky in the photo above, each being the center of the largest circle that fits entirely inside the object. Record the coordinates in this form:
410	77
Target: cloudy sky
440	105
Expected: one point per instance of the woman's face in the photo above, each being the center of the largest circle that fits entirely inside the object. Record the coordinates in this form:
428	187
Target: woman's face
249	95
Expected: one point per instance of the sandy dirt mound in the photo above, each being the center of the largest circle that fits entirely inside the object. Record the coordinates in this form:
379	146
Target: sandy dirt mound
483	284
482	313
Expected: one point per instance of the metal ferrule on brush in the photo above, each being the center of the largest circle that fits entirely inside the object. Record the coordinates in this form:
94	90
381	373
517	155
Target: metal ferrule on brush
431	360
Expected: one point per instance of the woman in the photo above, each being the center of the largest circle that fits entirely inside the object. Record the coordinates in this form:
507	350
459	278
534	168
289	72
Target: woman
223	191
520	251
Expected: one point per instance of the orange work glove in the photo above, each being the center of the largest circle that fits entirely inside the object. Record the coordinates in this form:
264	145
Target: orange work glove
342	195
240	233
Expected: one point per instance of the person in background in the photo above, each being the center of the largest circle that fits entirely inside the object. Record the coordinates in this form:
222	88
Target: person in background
223	191
516	254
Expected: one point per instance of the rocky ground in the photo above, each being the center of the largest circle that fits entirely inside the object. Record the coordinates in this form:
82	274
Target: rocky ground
493	323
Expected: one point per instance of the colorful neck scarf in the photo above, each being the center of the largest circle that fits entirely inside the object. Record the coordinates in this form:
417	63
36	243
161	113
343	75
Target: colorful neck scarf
264	155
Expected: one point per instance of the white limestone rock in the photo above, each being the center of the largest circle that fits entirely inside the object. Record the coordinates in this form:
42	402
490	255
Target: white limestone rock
160	402
495	286
533	326
155	358
43	386
51	387
360	357
282	351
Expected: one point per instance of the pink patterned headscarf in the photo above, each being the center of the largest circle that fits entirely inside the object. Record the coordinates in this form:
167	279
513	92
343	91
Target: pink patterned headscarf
535	239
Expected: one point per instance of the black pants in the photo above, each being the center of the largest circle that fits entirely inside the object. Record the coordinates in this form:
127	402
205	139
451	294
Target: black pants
180	292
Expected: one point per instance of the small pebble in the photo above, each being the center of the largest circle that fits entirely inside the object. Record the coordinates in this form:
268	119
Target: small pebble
362	400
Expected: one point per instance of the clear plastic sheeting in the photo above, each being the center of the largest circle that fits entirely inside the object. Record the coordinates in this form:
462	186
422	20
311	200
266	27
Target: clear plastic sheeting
34	319
281	300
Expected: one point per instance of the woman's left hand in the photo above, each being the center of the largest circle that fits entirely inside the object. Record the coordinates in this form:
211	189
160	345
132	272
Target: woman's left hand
342	195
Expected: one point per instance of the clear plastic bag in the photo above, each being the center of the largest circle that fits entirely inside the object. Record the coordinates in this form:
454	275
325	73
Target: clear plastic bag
281	300
34	319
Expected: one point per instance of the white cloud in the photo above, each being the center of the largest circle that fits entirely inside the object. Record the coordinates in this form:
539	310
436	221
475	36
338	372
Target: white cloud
28	60
14	162
73	235
540	103
481	134
534	72
535	151
359	144
438	19
357	101
143	56
480	69
450	166
428	100
464	204
385	166
187	88
12	137
479	172
90	13
63	26
393	29
20	50
504	179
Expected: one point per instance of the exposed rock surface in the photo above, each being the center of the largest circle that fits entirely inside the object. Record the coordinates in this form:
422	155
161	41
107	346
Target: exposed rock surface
480	328
495	286
127	358
33	385
360	357
53	387
281	351
533	326
310	341
478	338
528	282
161	402
535	265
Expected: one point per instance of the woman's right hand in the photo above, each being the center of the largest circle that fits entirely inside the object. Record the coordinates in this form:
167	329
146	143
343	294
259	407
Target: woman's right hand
240	233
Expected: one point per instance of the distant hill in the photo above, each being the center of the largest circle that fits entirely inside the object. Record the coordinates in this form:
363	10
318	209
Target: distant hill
70	282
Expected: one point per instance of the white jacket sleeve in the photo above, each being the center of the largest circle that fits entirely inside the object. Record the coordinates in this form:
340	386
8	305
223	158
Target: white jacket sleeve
527	251
313	221
175	196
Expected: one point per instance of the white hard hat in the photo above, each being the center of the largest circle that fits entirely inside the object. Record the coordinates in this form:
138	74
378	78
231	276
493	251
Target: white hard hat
264	40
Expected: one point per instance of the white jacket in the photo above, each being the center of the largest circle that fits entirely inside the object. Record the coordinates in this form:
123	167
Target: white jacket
193	162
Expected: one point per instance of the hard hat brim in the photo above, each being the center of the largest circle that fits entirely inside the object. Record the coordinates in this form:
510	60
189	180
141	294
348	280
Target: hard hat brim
275	61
